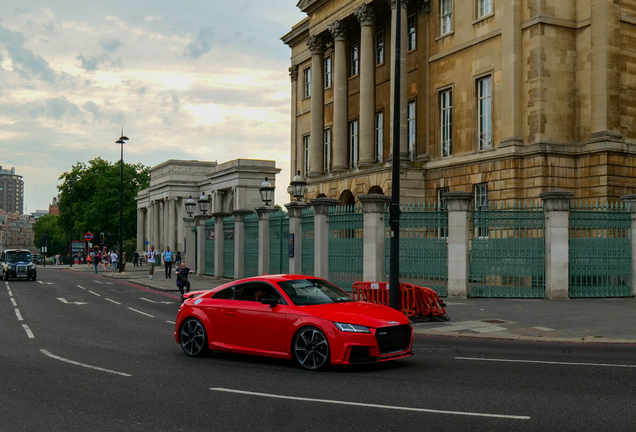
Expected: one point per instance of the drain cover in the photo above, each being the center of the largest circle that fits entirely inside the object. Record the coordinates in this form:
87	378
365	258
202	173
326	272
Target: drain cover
495	321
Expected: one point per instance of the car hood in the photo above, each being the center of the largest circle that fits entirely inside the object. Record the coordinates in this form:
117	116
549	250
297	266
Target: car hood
360	313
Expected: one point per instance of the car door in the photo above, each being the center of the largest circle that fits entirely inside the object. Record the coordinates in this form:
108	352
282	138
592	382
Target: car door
213	307
253	325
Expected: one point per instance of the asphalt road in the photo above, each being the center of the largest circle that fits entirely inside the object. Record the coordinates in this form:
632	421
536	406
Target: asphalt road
111	363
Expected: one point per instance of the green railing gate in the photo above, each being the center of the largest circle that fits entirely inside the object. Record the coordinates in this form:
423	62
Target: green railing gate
346	243
278	241
307	242
507	251
600	251
250	255
209	247
228	247
423	246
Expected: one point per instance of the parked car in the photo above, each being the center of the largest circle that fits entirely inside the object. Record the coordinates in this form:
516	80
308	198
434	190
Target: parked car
297	317
17	263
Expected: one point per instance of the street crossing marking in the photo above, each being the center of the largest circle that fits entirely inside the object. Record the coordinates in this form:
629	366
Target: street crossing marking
157	302
45	352
546	362
63	300
367	405
112	301
28	331
94	293
143	313
19	315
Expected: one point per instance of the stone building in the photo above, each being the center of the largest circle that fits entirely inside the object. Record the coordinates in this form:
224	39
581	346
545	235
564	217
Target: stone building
229	186
502	98
16	231
11	191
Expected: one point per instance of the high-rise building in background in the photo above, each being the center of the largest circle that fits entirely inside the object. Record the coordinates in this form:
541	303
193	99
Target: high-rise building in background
11	191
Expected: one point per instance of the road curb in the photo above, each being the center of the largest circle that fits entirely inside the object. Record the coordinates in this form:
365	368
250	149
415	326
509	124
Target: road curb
590	340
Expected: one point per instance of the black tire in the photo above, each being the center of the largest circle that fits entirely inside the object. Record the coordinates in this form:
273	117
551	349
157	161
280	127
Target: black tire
5	275
193	338
310	349
34	278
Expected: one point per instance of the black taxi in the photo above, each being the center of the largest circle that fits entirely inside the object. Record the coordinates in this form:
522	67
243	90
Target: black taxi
17	263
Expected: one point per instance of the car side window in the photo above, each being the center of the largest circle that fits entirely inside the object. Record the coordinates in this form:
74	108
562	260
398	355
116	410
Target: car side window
226	294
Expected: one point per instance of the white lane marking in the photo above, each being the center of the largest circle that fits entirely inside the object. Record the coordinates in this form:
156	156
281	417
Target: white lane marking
143	313
372	405
157	302
81	287
170	322
19	315
103	283
112	301
547	362
45	352
63	300
14	303
28	331
10	293
543	328
94	293
46	283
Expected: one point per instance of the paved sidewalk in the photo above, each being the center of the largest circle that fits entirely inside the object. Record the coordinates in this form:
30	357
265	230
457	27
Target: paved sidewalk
580	321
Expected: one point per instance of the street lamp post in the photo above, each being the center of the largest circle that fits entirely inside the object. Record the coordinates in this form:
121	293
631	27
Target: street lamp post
122	139
71	184
267	191
298	186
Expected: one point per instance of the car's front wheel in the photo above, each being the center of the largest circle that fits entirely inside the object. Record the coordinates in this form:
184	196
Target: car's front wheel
5	275
310	349
193	338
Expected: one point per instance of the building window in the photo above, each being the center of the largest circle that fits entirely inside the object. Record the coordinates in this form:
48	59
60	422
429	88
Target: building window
412	131
484	110
353	143
307	82
481	203
484	8
442	206
328	72
412	44
327	140
379	47
379	137
306	144
354	60
446	114
446	14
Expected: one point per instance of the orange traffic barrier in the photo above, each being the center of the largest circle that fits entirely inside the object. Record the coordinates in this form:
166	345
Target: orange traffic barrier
413	300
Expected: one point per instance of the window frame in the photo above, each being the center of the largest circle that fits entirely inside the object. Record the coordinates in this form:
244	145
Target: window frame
327	146
481	8
442	205
411	127
411	36
481	144
379	136
328	72
481	204
379	47
354	143
448	127
354	60
306	153
446	18
307	82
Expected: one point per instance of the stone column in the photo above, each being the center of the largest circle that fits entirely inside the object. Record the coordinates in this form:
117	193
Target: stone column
316	152
631	201
140	229
293	74
152	224
295	213
366	16
556	205
321	235
263	238
373	207
180	211
339	136
160	226
404	147
172	223
458	204
188	253
511	132
200	261
239	242
219	236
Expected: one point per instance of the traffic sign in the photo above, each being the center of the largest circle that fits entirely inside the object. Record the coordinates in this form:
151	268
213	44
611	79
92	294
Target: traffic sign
147	242
88	236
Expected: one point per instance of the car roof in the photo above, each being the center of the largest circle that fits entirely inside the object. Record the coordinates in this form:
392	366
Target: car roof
275	278
17	250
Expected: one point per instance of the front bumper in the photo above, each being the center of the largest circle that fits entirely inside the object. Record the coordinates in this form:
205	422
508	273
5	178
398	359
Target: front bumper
359	348
13	273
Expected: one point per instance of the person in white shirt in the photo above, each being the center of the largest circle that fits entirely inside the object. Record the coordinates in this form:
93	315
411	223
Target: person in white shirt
113	260
151	255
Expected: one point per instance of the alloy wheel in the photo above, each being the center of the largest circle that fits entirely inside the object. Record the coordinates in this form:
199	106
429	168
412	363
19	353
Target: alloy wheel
311	349
193	338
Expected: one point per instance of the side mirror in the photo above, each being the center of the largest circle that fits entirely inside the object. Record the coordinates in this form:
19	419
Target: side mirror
270	300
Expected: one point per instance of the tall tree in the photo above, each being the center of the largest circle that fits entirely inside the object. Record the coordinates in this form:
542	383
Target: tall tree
93	192
57	240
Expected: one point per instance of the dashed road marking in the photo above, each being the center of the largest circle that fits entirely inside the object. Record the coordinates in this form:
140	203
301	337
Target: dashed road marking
103	283
45	352
19	315
143	313
81	287
170	322
14	303
546	362
28	331
94	293
63	300
157	302
112	301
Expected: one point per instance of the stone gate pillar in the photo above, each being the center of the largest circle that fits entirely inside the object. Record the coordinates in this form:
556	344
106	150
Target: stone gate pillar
321	235
200	264
295	228
219	235
373	207
556	205
239	242
263	238
631	201
458	205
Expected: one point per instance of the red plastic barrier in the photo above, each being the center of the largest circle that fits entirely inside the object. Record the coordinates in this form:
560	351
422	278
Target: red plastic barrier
413	300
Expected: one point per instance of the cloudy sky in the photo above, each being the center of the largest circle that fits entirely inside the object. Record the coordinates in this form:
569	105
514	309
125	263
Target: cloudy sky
189	79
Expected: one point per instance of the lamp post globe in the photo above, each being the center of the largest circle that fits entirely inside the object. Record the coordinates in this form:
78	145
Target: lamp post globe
267	192
190	205
204	203
298	186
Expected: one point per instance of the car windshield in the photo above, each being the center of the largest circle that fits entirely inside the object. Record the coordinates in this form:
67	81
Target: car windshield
21	256
313	292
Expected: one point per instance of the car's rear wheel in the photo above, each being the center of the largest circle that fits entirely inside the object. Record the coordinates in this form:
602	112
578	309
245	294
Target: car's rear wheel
310	349
193	338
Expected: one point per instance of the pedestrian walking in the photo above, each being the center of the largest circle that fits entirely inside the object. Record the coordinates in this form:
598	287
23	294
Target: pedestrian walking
182	278
177	260
136	259
167	260
113	260
123	261
152	259
96	261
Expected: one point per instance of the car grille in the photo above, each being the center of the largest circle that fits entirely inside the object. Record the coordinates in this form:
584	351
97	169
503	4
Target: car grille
21	270
393	339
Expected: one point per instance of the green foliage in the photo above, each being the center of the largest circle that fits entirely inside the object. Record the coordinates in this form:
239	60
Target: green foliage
94	201
130	246
57	238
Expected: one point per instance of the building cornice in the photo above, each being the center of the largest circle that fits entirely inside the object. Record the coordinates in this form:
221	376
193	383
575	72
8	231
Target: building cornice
298	34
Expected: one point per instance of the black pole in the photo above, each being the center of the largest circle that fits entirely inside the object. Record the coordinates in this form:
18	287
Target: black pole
394	210
121	207
70	234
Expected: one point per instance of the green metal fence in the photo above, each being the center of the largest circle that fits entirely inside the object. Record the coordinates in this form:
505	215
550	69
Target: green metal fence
228	247
278	241
507	251
423	246
250	255
307	242
346	243
209	247
600	251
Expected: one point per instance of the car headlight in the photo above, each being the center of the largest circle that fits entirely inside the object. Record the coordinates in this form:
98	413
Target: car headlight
351	328
31	266
11	266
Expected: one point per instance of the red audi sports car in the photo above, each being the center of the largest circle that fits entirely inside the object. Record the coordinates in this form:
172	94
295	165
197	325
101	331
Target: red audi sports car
292	317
